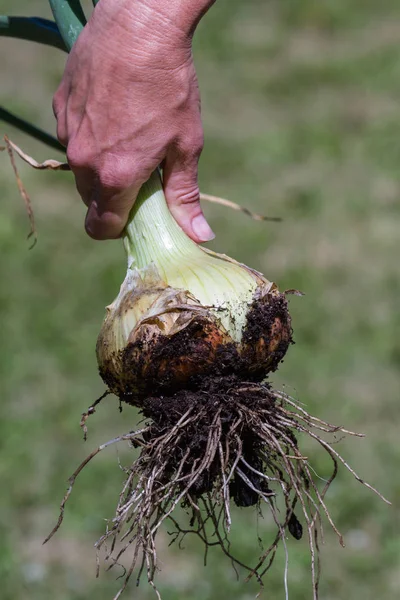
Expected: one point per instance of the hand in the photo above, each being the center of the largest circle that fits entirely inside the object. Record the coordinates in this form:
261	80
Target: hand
129	101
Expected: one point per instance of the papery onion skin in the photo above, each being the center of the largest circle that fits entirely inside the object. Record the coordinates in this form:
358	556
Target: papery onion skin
177	341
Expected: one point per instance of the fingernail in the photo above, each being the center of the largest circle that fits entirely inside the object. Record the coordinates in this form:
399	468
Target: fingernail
202	229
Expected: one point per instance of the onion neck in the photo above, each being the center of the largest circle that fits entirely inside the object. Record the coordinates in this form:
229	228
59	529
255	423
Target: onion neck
152	235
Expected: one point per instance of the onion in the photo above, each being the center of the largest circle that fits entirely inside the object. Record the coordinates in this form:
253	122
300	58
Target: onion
184	312
189	340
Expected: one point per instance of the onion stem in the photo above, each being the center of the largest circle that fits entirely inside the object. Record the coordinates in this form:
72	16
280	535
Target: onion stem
152	234
153	238
30	129
70	19
32	29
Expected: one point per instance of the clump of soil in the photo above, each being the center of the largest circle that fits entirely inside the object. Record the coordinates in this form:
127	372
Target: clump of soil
217	407
225	440
158	362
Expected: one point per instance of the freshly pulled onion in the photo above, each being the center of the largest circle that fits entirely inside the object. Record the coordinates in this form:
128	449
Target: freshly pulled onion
184	312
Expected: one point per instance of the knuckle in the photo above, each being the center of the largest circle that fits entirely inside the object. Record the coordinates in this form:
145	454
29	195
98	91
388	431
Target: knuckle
192	145
115	176
78	156
189	196
120	172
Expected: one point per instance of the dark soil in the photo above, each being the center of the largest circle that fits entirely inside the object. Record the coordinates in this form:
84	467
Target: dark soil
267	336
223	440
217	395
164	365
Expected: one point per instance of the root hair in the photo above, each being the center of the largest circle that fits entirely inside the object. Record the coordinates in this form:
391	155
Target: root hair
202	450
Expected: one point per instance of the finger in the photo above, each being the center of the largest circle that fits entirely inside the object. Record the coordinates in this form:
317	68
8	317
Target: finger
60	113
107	214
85	181
83	165
183	196
108	186
112	197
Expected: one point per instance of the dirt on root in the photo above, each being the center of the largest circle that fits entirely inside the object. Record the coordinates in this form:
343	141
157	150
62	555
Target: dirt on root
222	396
229	440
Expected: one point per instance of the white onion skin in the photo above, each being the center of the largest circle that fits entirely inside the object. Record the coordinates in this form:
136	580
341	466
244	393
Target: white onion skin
170	349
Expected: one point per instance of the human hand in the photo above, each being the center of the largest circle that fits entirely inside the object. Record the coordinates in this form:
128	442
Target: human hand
129	101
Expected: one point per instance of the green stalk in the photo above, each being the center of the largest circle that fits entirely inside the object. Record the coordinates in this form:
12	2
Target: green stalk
30	129
33	29
43	31
70	19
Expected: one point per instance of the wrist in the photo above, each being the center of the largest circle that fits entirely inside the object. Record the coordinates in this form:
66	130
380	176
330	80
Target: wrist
184	14
150	33
181	16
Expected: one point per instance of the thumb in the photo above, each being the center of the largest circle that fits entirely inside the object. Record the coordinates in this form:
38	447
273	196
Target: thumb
181	190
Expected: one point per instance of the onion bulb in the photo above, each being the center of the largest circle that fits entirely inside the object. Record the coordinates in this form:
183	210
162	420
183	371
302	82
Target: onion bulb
184	312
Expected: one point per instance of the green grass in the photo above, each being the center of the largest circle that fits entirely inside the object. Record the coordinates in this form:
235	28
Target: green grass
301	115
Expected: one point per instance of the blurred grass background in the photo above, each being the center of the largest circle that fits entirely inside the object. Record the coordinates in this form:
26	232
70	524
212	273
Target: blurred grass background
302	120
